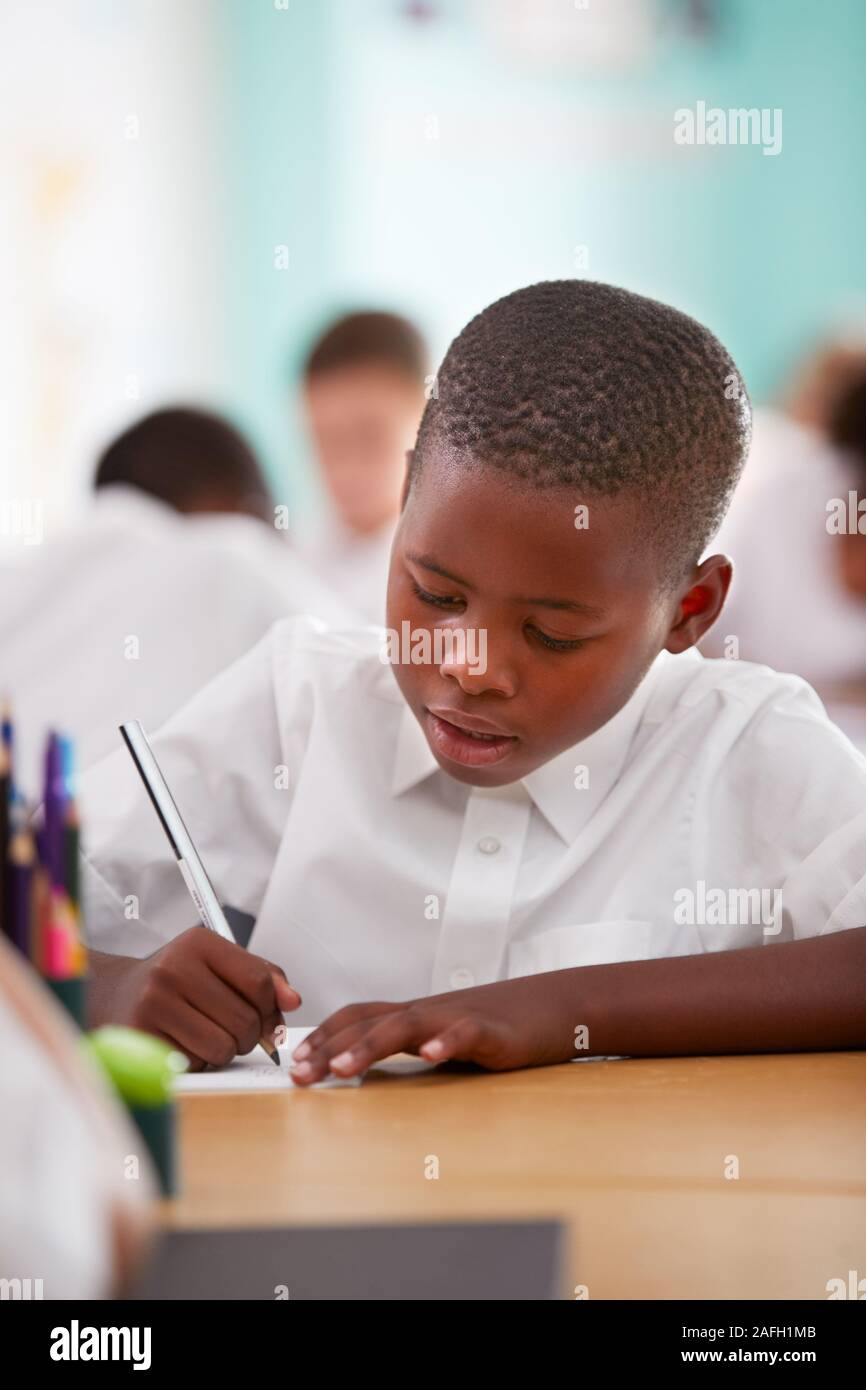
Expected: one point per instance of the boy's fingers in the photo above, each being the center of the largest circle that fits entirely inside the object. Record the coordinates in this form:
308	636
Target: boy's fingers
315	1066
230	1010
210	1042
274	969
350	1052
189	1030
195	1063
288	997
254	978
462	1041
337	1022
407	1031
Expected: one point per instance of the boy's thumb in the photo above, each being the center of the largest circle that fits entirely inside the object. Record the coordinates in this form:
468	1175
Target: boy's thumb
288	997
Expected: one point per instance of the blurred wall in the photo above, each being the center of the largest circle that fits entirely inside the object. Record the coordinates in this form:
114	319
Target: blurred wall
193	188
284	114
436	155
110	256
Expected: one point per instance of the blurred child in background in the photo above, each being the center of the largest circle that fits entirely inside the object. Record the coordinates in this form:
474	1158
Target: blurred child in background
848	433
364	385
173	574
788	606
846	700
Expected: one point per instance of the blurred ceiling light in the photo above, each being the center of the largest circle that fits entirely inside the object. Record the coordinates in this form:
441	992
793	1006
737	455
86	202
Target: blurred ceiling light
577	35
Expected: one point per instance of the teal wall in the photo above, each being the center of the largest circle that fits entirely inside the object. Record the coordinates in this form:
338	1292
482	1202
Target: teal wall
281	121
327	108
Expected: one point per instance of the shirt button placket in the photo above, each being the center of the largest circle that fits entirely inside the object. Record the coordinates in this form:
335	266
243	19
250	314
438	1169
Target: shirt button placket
474	932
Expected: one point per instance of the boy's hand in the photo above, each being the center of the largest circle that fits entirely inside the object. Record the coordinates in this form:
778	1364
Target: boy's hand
206	996
498	1026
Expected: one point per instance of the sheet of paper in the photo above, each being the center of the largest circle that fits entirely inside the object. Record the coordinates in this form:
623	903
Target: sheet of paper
252	1073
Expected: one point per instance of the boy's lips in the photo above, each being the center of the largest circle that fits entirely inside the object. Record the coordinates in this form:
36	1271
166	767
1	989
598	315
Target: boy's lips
467	739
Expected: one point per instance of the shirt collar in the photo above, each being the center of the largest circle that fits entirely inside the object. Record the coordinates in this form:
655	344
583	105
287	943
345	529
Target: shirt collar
121	501
567	806
413	761
569	789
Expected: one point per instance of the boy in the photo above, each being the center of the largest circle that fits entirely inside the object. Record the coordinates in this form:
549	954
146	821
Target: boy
191	460
108	615
788	605
560	832
364	383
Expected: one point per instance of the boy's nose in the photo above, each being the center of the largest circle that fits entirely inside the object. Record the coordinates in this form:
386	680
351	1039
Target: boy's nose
476	678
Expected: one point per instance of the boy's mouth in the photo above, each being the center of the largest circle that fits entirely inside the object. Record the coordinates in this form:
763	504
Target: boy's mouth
467	740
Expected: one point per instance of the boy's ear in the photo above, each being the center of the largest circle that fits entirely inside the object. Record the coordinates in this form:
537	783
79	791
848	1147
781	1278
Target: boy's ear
700	603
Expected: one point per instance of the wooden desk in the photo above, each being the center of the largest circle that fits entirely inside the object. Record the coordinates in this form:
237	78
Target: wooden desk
630	1155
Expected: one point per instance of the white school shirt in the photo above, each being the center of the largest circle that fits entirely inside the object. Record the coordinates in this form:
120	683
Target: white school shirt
127	613
317	806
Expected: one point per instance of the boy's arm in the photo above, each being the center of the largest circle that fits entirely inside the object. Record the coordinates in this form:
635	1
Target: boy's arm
798	996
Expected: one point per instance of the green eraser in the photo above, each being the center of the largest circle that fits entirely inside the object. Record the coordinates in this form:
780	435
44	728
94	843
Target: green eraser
141	1068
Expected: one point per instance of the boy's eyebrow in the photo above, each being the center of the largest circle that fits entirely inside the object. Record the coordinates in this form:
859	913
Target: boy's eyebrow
563	604
428	563
586	610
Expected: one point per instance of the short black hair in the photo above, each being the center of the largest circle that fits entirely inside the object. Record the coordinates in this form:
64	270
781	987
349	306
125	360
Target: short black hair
371	336
579	384
187	458
847	423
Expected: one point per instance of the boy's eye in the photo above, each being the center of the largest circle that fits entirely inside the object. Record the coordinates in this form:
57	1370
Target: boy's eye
558	644
438	600
554	644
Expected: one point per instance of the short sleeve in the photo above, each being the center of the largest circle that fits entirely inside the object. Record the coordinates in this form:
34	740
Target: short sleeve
221	756
787	814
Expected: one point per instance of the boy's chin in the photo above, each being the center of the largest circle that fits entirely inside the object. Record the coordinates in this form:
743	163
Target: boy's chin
479	776
500	774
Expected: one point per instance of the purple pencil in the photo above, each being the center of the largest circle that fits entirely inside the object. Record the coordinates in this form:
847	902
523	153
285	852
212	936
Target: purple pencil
51	840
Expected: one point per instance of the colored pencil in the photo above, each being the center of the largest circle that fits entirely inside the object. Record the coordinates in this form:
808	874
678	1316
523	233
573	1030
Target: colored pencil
5	799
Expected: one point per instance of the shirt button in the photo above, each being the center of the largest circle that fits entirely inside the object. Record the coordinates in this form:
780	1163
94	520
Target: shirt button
462	978
490	845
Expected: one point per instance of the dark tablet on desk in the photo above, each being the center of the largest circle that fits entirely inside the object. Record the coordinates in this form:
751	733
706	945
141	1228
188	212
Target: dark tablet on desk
483	1260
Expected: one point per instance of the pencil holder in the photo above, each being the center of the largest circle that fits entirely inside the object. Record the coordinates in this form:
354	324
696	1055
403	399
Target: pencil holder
72	994
142	1070
157	1126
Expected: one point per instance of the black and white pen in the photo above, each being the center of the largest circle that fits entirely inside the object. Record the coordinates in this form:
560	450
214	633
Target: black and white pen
192	870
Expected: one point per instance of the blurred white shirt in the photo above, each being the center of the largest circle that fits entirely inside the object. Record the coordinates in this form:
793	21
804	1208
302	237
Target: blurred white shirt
355	567
125	616
317	806
786	605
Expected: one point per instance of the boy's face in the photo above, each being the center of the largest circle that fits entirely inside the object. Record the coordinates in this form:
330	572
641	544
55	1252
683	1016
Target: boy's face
572	617
363	419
